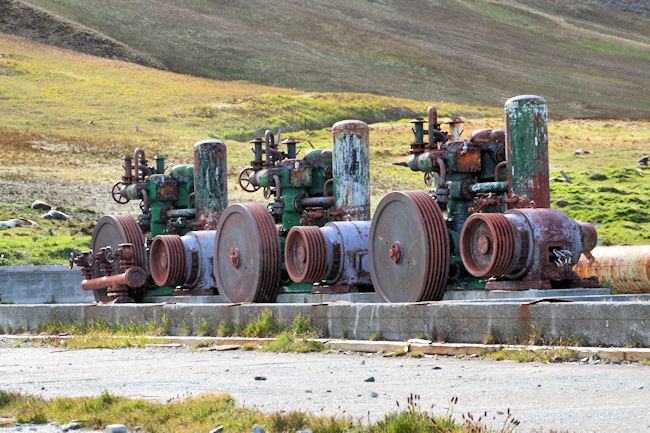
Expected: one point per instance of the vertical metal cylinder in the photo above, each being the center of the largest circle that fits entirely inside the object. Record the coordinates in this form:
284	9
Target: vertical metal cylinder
160	164
210	182
351	168
527	149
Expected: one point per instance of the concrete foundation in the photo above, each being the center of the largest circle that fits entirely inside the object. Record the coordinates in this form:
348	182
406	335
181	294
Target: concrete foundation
606	323
41	284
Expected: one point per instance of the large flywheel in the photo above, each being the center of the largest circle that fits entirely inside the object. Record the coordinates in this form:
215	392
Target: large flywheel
247	258
111	231
409	248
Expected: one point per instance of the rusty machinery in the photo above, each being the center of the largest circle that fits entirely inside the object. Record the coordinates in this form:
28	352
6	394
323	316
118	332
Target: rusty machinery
416	252
322	187
624	268
117	266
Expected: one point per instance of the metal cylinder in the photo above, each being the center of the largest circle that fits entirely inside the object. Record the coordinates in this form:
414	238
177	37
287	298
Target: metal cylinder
183	260
132	277
210	182
626	267
336	253
351	168
539	244
527	150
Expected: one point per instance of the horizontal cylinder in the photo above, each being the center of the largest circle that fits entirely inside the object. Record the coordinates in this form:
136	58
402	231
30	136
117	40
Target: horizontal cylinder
486	187
133	277
626	268
183	260
336	253
317	202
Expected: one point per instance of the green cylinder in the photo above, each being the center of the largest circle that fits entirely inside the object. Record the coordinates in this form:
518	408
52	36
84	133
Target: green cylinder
527	150
210	182
351	168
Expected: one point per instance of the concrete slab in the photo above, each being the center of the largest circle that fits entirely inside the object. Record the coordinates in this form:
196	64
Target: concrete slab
41	284
604	323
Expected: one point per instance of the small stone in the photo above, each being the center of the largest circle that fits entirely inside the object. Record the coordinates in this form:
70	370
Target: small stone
374	394
18	428
608	125
380	352
305	431
644	160
39	204
584	359
115	428
217	430
581	152
370	379
56	215
363	362
260	377
641	387
64	428
257	429
557	179
539	385
473	355
74	425
436	368
615	360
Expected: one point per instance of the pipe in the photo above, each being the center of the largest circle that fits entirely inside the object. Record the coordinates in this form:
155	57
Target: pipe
324	202
145	170
278	186
432	115
625	267
327	183
443	172
268	142
128	170
145	200
496	170
486	187
132	277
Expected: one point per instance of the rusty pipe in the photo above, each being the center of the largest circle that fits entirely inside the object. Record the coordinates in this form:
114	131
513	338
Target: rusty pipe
145	200
327	183
432	115
443	171
278	186
128	169
132	277
496	170
138	157
625	267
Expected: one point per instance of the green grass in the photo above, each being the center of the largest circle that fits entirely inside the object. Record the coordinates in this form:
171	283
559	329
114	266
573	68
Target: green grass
205	411
548	356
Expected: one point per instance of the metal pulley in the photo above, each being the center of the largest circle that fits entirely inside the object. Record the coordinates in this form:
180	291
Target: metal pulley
247	258
409	248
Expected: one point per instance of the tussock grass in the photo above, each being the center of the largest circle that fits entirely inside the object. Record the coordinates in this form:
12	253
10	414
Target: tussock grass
205	411
546	355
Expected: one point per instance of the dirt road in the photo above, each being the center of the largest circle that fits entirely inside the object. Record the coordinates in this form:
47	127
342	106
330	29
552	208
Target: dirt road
565	397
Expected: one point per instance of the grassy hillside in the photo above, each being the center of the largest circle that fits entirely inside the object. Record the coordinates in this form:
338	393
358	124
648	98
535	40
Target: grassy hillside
69	117
588	59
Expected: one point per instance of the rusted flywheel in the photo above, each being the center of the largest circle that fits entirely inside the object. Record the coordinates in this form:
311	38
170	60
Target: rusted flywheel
409	248
305	254
487	245
167	261
247	259
113	230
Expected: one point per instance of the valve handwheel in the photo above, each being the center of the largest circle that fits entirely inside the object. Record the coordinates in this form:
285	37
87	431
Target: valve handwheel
115	193
244	180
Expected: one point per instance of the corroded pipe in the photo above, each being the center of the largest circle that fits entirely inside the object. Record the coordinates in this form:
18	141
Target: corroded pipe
132	277
625	267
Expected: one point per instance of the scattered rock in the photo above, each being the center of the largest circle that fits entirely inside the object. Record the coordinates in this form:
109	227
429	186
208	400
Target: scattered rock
561	203
305	431
257	429
363	362
581	152
374	394
401	164
115	428
557	179
641	387
56	215
40	204
74	425
436	368
598	176
615	360
644	160
260	377
217	430
17	222
370	379
608	125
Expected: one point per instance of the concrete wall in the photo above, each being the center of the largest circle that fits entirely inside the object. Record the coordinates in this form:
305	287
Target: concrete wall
617	323
40	284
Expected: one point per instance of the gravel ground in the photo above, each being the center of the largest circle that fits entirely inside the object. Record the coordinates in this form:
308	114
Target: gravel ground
566	397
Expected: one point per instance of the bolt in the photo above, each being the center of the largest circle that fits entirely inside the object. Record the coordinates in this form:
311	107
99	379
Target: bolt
483	244
234	257
395	252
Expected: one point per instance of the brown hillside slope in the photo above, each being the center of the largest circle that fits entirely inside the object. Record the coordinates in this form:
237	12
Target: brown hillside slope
23	19
588	59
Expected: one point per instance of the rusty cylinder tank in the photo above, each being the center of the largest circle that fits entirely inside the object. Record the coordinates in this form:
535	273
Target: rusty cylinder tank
336	253
625	267
210	182
183	260
351	169
527	150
